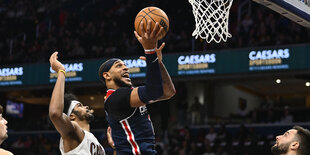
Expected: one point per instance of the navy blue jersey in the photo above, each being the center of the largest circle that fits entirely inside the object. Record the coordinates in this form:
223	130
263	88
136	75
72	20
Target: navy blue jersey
132	129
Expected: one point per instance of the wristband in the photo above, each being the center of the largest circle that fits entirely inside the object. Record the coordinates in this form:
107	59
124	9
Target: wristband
62	71
149	51
153	89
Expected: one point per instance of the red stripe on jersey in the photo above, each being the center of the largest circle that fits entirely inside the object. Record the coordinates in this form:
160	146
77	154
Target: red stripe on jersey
130	137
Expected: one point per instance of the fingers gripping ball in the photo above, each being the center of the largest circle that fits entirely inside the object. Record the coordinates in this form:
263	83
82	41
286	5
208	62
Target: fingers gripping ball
155	15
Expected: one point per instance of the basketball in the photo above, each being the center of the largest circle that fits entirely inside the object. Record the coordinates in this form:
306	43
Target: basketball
155	15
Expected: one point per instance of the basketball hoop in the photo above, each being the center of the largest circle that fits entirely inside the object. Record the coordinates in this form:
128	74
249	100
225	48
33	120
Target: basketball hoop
211	18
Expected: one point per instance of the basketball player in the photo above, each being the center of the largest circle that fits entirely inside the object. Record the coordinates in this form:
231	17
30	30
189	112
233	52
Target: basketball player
125	106
295	141
3	132
71	119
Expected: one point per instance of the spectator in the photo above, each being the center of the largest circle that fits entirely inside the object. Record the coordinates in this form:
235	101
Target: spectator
242	108
195	111
287	117
211	136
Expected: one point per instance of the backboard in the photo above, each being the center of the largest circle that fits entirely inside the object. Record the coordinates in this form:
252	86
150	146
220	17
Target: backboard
296	10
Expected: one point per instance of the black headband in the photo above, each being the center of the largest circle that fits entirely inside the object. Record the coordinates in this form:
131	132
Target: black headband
106	66
109	63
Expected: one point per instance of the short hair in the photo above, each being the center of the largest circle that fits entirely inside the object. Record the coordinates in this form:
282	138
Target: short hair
68	97
303	136
1	109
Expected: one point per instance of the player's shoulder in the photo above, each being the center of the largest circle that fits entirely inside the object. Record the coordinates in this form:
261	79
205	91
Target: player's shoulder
122	90
119	94
5	152
120	98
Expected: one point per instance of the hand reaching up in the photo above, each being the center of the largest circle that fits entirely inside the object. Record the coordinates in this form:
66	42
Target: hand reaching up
149	38
55	64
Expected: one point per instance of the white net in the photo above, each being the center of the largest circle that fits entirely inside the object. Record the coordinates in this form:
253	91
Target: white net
211	18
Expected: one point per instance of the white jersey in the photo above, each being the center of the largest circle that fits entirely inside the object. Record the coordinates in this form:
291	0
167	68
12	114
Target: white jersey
88	146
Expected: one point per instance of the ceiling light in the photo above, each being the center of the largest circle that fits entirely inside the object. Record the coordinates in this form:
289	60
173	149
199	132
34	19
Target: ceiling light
278	81
307	84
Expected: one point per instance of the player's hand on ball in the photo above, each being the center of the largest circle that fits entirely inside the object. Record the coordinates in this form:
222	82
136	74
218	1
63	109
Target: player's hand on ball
149	38
158	52
55	64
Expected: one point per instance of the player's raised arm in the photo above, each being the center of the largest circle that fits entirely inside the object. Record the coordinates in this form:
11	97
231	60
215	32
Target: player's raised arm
168	86
60	120
153	88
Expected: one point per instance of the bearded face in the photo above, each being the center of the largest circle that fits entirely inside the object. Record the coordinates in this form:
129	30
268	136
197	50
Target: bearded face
119	74
121	83
284	142
88	116
279	149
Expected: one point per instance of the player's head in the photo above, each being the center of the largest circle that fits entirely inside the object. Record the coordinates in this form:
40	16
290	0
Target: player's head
114	73
75	109
3	127
294	140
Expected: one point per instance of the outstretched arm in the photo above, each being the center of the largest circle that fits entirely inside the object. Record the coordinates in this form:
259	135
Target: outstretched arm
168	86
60	120
153	89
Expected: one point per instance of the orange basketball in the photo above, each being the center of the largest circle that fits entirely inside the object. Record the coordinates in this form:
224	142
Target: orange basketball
155	15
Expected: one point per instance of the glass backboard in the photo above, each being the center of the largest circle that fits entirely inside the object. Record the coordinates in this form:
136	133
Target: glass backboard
296	10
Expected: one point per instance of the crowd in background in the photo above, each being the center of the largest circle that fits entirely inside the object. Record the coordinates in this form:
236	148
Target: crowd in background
32	145
81	29
175	113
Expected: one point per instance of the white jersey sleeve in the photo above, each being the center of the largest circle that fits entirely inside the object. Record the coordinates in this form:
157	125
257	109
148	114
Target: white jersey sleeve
88	146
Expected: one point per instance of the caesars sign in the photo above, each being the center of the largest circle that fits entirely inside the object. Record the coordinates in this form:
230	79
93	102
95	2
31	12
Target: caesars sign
9	76
72	70
136	67
196	64
268	59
